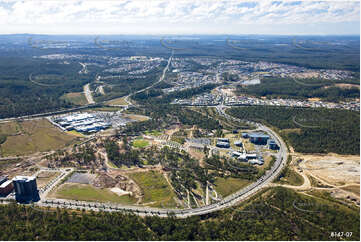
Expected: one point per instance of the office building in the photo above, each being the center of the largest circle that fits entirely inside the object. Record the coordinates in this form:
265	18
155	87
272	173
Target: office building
272	145
26	189
258	138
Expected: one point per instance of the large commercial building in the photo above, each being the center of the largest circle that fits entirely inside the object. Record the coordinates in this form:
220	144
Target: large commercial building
26	189
258	138
82	122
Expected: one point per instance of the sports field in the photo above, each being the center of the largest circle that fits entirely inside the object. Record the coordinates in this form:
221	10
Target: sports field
86	192
140	143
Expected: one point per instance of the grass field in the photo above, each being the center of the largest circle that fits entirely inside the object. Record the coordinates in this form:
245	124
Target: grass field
85	192
117	101
227	186
75	133
33	136
76	98
140	143
248	145
292	178
155	188
154	133
9	128
269	161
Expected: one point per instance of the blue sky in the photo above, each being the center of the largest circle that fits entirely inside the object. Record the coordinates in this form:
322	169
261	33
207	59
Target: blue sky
179	17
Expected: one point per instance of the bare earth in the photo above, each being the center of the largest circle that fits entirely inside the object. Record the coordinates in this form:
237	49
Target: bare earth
333	169
338	174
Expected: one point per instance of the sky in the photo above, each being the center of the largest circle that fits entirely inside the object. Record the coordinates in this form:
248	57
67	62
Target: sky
179	17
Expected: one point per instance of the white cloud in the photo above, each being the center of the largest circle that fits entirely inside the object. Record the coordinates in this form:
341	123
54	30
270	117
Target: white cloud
181	13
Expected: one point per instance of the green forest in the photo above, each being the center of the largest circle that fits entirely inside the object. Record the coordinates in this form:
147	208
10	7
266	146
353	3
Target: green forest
281	215
20	96
309	130
277	87
164	115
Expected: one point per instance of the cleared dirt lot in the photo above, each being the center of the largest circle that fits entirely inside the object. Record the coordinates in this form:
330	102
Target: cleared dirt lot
333	169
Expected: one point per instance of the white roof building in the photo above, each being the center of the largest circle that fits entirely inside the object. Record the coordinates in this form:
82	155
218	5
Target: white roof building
255	162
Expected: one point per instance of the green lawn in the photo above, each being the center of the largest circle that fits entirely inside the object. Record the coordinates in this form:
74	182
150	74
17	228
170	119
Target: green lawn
84	192
155	188
154	133
111	164
227	186
75	133
140	143
77	98
291	177
117	101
